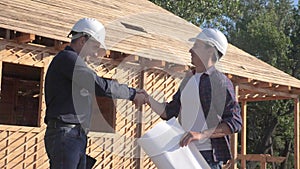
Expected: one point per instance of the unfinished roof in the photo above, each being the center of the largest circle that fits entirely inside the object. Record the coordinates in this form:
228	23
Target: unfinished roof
133	27
138	28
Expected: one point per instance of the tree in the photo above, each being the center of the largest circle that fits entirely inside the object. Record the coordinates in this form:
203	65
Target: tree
205	13
266	30
269	30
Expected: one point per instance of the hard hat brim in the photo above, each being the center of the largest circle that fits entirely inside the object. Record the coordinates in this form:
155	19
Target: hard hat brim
192	39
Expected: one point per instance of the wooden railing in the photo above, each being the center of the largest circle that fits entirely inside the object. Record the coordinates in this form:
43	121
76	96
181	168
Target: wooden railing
262	158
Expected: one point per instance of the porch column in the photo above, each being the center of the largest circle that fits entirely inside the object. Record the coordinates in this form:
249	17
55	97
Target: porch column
234	140
244	134
296	135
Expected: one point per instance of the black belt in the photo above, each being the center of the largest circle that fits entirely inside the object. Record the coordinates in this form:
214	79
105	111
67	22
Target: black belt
58	123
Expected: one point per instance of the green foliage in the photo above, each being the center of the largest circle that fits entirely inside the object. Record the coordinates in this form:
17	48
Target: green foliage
293	30
267	30
265	34
207	13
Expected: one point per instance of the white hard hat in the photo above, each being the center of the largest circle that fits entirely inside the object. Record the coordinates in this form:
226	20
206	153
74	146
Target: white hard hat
215	37
91	27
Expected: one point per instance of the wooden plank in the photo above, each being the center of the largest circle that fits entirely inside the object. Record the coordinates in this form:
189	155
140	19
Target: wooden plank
108	144
295	90
1	70
241	80
244	134
175	68
263	165
271	159
296	134
283	88
234	140
24	38
15	144
248	95
10	128
267	91
40	95
253	157
60	45
266	98
7	34
263	84
12	156
151	63
263	158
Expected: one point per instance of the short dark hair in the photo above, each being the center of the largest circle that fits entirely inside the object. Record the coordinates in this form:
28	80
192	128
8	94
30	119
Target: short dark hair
219	54
73	33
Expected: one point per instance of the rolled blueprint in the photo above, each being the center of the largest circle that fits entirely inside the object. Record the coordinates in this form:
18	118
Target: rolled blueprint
161	144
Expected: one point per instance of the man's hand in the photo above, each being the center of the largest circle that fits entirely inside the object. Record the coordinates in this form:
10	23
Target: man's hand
140	98
191	136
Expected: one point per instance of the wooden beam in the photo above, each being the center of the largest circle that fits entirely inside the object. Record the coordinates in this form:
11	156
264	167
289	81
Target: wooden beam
241	80
261	158
108	52
131	58
295	90
7	34
149	63
59	45
140	125
105	60
234	140
255	82
175	68
116	55
244	134
265	98
268	91
40	120
253	157
271	159
263	165
283	88
248	95
263	85
296	134
25	37
1	76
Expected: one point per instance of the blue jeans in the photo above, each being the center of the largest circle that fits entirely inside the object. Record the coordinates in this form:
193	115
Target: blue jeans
216	165
66	147
208	156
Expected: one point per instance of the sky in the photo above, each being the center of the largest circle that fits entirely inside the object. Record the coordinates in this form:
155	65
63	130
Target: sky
295	2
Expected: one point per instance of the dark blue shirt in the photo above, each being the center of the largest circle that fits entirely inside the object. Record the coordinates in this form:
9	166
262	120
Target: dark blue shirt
219	105
70	86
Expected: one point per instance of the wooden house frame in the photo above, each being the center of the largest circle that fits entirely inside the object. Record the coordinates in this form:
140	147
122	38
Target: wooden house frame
148	48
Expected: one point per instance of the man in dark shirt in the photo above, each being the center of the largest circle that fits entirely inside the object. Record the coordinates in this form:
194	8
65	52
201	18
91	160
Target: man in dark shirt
69	88
205	102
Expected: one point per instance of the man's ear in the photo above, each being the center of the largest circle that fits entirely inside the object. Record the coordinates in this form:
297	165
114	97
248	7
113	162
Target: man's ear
82	40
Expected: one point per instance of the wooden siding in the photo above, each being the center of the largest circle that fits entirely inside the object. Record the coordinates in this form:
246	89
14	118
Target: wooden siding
23	147
152	33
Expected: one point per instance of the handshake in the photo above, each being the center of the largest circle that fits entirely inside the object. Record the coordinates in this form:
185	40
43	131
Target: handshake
141	97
